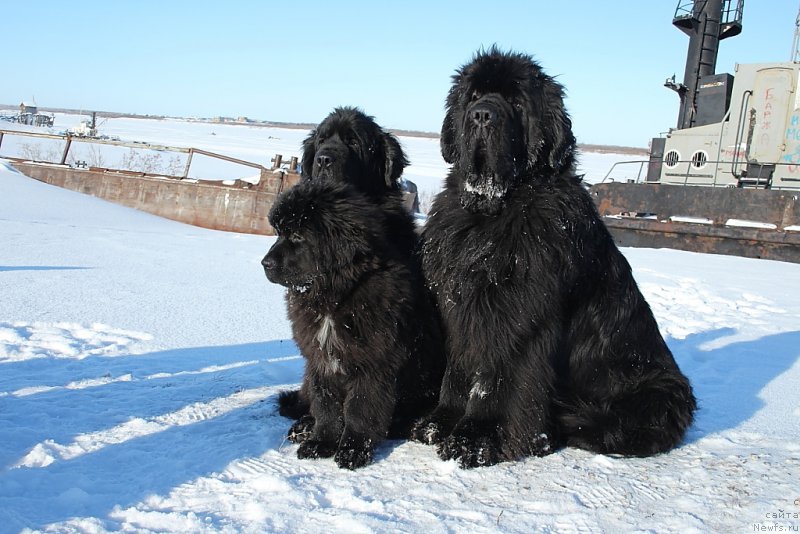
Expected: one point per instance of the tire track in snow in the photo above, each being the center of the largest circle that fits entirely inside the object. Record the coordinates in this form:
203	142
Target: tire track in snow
21	341
685	306
49	451
127	377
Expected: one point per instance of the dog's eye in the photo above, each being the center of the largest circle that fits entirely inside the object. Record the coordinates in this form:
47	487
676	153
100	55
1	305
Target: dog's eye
353	142
475	95
296	238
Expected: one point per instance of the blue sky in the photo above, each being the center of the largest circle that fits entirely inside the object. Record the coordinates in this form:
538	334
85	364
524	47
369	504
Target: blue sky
295	60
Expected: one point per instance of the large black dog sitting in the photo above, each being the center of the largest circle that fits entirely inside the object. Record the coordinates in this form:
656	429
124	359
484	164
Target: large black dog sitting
361	317
349	146
549	338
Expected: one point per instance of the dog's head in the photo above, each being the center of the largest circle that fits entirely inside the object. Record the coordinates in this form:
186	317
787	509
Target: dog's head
349	145
505	122
327	231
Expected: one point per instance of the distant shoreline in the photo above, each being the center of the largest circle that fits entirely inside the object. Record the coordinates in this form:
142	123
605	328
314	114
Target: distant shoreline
246	121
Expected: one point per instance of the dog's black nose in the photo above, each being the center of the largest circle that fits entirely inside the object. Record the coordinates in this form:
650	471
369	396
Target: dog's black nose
324	160
268	263
482	115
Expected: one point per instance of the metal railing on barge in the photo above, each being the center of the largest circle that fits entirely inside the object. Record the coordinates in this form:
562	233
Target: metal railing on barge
691	176
237	205
69	140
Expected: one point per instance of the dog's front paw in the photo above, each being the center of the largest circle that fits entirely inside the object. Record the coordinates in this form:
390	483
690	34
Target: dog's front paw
301	430
472	444
434	428
354	452
543	444
316	449
469	452
428	432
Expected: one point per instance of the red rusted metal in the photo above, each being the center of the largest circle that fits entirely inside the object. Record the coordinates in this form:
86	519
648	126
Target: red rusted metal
241	207
66	150
745	242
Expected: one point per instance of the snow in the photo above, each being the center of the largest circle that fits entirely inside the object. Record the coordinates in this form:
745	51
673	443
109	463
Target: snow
693	220
140	361
741	223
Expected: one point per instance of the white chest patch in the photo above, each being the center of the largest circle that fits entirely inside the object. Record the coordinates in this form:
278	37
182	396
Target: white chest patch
478	390
328	340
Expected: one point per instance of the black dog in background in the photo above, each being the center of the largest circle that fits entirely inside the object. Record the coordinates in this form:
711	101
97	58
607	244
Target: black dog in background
361	317
549	338
349	144
350	147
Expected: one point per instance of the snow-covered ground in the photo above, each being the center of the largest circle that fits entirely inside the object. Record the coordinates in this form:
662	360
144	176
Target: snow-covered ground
140	359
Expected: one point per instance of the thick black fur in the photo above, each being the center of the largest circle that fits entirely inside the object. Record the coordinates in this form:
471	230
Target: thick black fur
349	146
549	339
361	316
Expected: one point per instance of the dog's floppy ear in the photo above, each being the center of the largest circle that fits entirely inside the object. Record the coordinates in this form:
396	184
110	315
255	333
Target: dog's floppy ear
395	160
309	151
559	139
448	140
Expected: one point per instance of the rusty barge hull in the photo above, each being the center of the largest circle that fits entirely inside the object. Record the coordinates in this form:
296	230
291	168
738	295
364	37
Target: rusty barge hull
751	223
637	215
240	207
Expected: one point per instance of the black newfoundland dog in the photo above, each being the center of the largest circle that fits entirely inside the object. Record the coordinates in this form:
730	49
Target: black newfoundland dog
549	339
348	146
361	316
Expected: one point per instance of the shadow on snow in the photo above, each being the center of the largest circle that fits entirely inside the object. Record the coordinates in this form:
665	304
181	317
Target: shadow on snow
159	384
727	382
